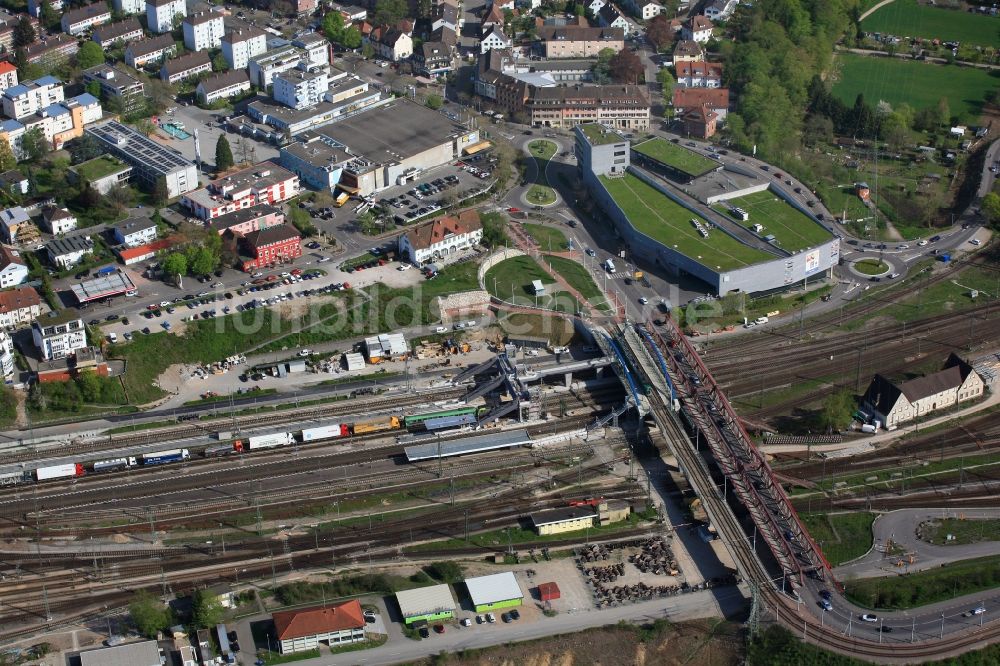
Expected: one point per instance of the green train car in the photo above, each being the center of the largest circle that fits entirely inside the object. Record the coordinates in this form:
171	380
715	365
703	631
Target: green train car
419	419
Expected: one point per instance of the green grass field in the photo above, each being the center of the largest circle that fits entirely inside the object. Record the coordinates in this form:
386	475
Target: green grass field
841	536
919	84
676	156
559	330
871	266
961	531
793	230
926	587
908	18
663	220
511	280
577	277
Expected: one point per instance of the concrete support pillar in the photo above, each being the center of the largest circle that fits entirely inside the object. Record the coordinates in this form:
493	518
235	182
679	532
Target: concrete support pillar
568	379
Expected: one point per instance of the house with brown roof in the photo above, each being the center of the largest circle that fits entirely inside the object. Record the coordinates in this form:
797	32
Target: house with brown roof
697	29
576	41
188	65
700	122
441	239
13	268
20	305
892	403
301	630
716	99
264	247
687	50
699	74
126	30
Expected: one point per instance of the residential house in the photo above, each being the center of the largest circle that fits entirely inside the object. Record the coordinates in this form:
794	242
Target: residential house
697	29
720	10
265	247
160	14
446	36
494	38
448	14
222	86
246	220
264	183
492	18
29	97
13	269
67	252
892	403
393	44
624	107
700	122
644	9
687	50
595	6
187	66
716	99
442	238
118	84
611	17
59	340
19	306
203	30
57	220
575	41
52	50
316	49
301	630
129	6
699	74
149	51
135	231
15	225
78	21
8	75
304	7
110	34
239	46
432	59
14	182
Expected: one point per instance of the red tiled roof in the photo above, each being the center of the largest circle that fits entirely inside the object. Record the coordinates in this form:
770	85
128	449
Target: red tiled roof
278	233
714	98
688	68
700	22
143	250
424	236
18	299
7	68
8	256
319	620
548	590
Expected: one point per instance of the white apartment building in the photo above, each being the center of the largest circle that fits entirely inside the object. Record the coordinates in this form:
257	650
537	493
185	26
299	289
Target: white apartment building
35	6
265	67
129	6
203	31
8	76
239	46
29	97
59	340
58	220
6	355
316	48
298	89
13	269
80	20
160	14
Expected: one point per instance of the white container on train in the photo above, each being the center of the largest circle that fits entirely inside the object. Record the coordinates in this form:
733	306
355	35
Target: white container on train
323	432
59	471
114	464
269	441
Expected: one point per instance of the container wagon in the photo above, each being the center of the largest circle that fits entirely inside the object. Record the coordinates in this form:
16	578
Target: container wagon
164	457
216	450
114	464
416	419
15	478
267	441
67	471
324	432
377	425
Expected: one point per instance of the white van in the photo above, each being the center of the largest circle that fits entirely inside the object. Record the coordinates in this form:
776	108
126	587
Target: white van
609	266
761	320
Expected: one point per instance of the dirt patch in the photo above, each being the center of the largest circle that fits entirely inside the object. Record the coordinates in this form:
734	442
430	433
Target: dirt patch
704	643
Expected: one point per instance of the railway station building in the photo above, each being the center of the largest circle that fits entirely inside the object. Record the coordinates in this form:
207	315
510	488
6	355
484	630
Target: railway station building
426	604
305	629
568	519
494	592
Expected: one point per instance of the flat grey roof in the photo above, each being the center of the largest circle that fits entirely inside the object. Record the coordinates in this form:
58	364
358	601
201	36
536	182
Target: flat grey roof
475	444
394	132
561	515
133	654
425	600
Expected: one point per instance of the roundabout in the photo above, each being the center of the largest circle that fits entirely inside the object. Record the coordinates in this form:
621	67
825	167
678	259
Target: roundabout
870	266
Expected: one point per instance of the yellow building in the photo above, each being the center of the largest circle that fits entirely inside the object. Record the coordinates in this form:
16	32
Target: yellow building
558	521
613	511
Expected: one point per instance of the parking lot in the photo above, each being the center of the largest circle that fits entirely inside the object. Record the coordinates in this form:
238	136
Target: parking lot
191	118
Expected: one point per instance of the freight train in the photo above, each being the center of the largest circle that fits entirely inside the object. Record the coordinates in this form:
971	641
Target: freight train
441	419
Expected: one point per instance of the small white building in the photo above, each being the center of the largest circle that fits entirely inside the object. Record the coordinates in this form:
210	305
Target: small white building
160	14
720	10
6	356
29	97
13	269
386	347
203	31
697	29
442	238
305	629
80	20
135	231
494	39
57	220
892	403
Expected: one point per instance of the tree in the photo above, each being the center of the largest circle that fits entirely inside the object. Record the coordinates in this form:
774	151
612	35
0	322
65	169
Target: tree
149	614
302	221
367	51
207	610
943	111
161	195
333	26
175	264
94	88
7	159
434	102
24	32
351	38
390	12
446	572
837	410
89	385
658	32
625	67
494	230
219	63
90	55
668	82
34	145
817	128
202	261
48	16
223	154
990	207
602	68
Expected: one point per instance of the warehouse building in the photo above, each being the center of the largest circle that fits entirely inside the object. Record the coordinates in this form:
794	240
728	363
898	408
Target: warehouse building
145	653
558	521
489	593
426	604
386	347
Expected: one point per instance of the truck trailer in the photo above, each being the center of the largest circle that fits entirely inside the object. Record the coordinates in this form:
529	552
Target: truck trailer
114	464
164	457
67	471
325	432
268	441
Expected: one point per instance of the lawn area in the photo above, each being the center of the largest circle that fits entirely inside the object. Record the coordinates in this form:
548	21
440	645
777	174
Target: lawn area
870	266
667	222
908	18
577	277
919	84
841	536
549	239
793	230
947	296
99	167
961	531
675	156
926	587
511	280
540	193
558	330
